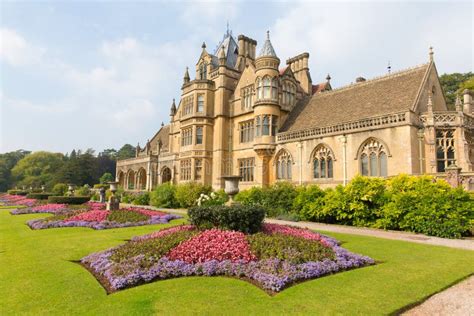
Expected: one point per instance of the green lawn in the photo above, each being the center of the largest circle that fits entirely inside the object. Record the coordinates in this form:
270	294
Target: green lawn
38	276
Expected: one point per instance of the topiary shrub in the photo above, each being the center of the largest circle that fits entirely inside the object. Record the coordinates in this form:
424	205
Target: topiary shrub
68	199
188	193
39	196
59	189
17	192
142	198
164	195
247	219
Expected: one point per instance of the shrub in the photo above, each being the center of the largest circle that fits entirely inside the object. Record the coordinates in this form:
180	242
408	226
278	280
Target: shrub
246	219
164	195
276	199
60	189
123	216
68	199
39	196
142	198
421	205
101	185
17	192
309	200
106	177
188	193
215	198
288	248
83	191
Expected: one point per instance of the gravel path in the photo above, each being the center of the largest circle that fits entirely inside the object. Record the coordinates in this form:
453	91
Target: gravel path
457	300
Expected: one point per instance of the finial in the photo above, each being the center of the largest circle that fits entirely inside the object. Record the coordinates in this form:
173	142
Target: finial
389	67
458	103
431	53
328	78
173	108
203	46
186	76
162	124
228	30
430	101
268	35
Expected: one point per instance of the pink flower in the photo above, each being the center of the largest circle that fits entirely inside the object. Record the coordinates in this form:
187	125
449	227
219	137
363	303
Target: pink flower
165	232
213	244
293	231
90	216
146	212
49	208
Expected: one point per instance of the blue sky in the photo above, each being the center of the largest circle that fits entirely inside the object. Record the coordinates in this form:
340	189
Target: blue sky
102	74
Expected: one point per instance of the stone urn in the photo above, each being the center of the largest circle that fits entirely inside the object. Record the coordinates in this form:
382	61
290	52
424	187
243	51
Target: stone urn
231	187
114	203
70	189
102	195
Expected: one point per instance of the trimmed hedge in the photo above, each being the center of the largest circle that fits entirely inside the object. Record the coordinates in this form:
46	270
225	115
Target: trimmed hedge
247	219
68	199
17	192
39	196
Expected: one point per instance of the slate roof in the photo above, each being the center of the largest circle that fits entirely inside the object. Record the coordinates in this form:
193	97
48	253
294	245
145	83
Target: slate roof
393	93
231	50
267	48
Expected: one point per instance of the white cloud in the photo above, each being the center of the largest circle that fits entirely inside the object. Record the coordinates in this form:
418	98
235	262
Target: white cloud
16	51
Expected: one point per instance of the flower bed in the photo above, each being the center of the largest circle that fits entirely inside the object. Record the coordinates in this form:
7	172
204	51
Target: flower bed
273	259
46	208
9	199
97	218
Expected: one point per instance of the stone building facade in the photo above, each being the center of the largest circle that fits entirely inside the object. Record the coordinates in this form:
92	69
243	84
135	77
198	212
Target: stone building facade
247	114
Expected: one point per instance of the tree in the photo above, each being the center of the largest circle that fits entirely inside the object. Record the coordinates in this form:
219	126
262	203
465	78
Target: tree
452	85
37	168
127	151
106	177
7	162
111	153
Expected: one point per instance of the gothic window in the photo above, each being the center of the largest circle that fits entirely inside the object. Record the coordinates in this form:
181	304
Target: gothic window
185	169
445	154
200	103
258	126
283	165
266	87
203	71
197	169
289	92
186	137
246	169
199	135
266	125
246	131
275	89
322	163
373	159
259	84
246	96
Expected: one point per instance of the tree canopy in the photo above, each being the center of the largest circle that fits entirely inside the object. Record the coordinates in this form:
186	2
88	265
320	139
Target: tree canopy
453	84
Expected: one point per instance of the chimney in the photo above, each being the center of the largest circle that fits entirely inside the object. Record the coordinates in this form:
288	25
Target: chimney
299	66
467	94
360	79
247	49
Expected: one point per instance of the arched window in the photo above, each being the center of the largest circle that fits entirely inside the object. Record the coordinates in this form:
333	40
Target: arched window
323	160
266	87
266	125
283	165
259	84
373	159
445	154
275	89
258	126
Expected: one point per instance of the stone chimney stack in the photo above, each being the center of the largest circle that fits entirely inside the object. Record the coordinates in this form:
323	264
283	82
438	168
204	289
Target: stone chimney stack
247	49
467	107
299	66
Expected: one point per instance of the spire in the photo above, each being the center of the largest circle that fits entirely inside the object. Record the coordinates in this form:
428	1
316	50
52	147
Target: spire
431	54
203	46
267	49
173	109
162	124
328	78
186	76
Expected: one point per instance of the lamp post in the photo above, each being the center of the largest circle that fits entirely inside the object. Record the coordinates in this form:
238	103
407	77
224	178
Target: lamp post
114	203
231	188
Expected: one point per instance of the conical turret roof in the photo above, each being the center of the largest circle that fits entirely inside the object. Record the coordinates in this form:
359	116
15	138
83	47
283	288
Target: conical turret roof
267	49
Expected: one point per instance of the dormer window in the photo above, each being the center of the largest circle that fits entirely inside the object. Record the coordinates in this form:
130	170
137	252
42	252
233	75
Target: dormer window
289	94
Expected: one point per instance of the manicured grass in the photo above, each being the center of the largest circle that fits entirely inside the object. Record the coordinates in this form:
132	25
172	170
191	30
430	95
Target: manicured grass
37	276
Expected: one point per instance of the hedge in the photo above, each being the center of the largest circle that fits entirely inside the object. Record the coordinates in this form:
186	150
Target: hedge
69	199
39	196
17	192
247	219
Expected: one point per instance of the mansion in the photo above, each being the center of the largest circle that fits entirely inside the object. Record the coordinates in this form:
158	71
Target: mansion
249	114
